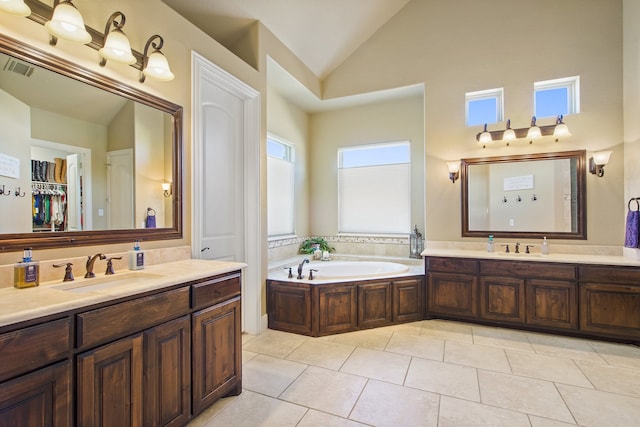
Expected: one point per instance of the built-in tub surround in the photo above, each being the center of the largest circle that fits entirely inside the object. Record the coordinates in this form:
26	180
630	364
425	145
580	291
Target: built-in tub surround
50	274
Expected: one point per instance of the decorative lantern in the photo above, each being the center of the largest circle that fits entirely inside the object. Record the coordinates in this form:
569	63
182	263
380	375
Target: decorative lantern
416	245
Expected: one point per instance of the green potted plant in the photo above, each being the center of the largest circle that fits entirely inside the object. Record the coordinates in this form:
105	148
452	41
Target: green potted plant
310	245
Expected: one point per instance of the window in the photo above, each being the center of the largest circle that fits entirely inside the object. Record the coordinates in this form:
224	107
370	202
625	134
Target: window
374	188
556	97
485	106
280	187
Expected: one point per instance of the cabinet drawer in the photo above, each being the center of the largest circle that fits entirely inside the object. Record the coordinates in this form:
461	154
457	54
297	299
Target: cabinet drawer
30	348
452	265
215	290
602	274
109	323
524	269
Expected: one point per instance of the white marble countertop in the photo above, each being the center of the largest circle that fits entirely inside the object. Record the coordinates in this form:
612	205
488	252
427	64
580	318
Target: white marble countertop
17	305
537	257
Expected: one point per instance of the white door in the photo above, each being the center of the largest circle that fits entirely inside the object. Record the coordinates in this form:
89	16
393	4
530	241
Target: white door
120	189
226	179
75	218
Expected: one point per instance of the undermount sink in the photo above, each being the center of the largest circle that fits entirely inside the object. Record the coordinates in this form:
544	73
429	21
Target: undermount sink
106	282
521	255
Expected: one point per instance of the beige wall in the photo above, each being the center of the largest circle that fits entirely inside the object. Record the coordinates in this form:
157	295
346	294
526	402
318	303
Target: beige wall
455	47
395	120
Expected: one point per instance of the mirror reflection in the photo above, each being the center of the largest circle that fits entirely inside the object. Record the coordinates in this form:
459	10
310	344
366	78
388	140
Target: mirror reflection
79	158
527	196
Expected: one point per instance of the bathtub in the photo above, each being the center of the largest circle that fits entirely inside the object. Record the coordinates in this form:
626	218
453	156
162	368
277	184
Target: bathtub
339	271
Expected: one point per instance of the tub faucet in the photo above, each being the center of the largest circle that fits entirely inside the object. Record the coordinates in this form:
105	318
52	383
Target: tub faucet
300	268
90	261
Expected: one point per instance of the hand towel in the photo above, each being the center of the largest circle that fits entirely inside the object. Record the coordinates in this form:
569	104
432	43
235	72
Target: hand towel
632	230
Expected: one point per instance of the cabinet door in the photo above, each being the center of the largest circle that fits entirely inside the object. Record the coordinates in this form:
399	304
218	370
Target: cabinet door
552	303
452	295
39	399
613	310
110	384
408	304
216	353
289	307
338	309
167	373
502	299
374	305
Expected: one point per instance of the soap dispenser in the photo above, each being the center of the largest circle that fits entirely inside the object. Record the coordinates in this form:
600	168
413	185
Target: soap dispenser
490	244
544	249
136	257
26	273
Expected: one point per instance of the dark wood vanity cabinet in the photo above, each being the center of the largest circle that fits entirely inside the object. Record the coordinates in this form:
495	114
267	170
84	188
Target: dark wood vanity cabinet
502	299
374	304
407	300
337	308
144	361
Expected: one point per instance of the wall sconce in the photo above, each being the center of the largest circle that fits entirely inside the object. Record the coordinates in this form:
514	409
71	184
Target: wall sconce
558	129
454	170
15	7
155	65
116	46
166	188
597	162
66	23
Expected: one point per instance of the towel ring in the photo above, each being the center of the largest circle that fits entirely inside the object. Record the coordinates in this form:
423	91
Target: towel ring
153	212
635	199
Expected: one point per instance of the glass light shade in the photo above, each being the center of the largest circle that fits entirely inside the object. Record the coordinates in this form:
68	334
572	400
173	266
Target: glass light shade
509	135
67	23
117	48
15	7
453	167
561	130
601	158
166	186
534	132
485	136
158	67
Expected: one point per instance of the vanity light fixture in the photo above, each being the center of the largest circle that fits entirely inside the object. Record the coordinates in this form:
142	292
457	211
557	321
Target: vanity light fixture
558	129
67	23
15	7
597	162
155	65
116	46
166	188
454	170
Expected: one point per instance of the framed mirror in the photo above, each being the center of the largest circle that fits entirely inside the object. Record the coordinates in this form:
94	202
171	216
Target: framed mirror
528	196
83	157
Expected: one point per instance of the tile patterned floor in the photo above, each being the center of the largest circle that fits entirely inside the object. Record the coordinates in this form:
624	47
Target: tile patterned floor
432	373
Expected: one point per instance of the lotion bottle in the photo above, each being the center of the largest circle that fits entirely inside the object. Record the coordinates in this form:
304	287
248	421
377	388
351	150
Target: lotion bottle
544	249
490	244
26	273
136	257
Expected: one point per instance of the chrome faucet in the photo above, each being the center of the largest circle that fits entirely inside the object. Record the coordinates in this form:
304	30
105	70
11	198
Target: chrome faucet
300	268
90	261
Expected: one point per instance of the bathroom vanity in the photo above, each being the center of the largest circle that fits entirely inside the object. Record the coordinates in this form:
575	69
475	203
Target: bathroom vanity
576	297
149	352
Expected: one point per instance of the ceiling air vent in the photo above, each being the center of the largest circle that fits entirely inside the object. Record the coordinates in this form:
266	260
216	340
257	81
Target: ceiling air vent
19	67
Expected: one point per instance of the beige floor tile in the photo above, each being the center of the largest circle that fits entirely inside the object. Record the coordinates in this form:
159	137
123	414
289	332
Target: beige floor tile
275	343
377	364
417	346
521	394
316	419
247	356
476	356
623	355
598	408
326	354
255	410
247	337
325	390
502	338
462	413
443	378
547	368
207	416
412	328
370	338
456	331
546	422
383	404
270	375
612	378
557	346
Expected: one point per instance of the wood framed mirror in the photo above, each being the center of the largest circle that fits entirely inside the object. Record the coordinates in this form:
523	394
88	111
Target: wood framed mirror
49	106
525	196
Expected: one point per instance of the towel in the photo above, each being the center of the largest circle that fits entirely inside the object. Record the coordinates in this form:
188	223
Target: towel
150	221
632	230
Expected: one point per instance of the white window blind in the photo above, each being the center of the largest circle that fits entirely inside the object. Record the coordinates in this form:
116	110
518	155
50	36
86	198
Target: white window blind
280	189
375	199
